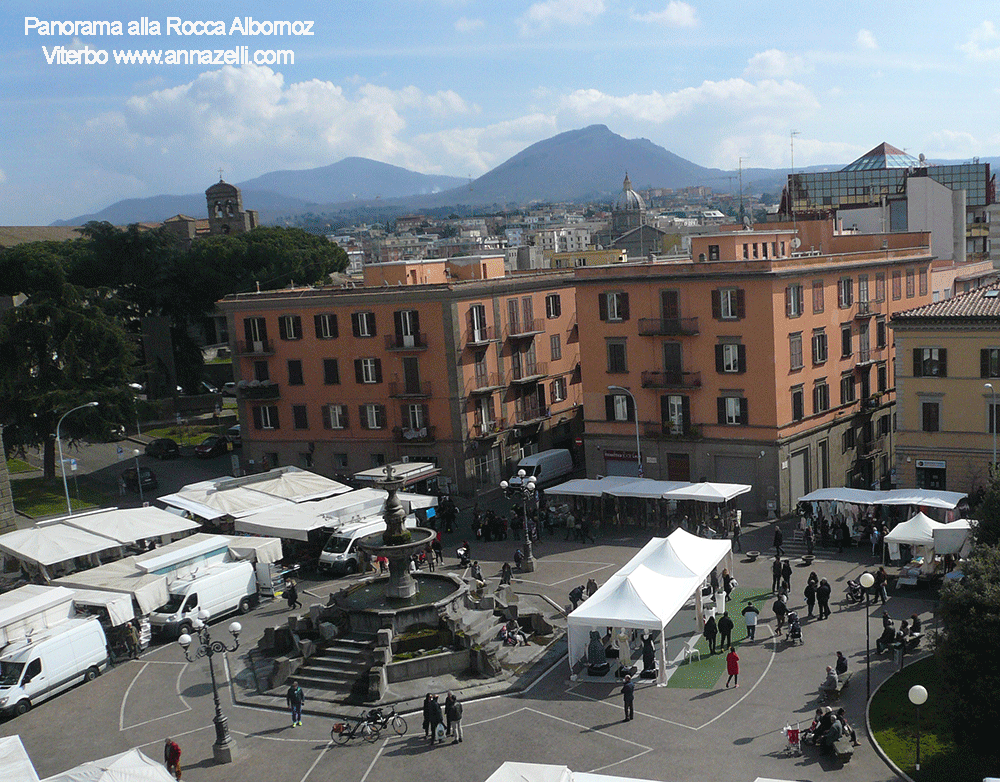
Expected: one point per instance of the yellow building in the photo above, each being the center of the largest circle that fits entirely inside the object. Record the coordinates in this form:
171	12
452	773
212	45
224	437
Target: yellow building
589	257
947	379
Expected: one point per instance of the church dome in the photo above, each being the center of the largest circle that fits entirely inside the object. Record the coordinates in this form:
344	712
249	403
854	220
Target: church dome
629	200
223	189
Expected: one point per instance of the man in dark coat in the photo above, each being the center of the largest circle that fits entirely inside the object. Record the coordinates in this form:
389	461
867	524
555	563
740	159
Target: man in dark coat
823	598
295	697
726	626
628	695
810	595
711	633
436	720
778	540
453	713
776	574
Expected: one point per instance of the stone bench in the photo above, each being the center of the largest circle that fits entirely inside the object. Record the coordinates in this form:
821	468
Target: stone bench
833	694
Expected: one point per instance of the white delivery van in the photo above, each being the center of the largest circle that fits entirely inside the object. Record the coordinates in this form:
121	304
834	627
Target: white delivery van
547	466
221	588
341	553
44	664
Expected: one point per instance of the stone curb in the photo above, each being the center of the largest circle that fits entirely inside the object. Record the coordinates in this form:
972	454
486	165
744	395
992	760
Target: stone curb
868	724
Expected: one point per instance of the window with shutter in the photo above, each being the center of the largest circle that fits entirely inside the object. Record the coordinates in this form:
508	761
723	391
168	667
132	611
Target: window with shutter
326	326
300	419
295	377
331	372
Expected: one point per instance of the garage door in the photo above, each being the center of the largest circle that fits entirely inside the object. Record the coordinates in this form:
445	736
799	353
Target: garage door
735	469
798	474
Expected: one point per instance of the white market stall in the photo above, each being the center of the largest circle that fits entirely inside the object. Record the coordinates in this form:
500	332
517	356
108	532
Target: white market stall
15	765
130	525
32	608
954	538
54	547
130	766
514	771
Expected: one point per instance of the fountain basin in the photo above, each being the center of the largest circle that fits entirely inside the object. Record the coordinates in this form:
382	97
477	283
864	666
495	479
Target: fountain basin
370	608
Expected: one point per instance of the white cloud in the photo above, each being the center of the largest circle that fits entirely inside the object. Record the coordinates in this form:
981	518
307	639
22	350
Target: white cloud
866	39
983	44
477	150
951	144
3	176
549	13
676	14
775	64
733	97
243	118
465	25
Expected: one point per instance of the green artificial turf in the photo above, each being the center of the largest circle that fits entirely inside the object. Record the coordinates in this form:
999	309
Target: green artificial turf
37	497
15	466
894	718
186	434
705	673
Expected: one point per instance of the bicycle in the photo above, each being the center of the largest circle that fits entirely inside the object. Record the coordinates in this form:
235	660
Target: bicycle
383	720
342	732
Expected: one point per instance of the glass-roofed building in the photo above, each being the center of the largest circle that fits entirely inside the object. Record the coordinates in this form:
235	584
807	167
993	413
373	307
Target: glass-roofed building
888	190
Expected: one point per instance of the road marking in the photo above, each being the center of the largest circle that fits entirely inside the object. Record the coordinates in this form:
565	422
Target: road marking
121	712
374	760
316	762
746	695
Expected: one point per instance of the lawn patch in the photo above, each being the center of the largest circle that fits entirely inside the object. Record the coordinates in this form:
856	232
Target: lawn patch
38	497
16	466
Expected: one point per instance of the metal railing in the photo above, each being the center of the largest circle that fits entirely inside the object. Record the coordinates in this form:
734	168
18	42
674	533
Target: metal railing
667	327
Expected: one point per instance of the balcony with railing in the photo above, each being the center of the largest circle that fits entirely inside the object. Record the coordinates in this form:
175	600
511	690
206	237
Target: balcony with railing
665	430
492	428
485	383
406	341
525	328
528	373
257	347
482	335
668	327
410	390
866	356
671	379
870	449
405	434
255	390
865	309
530	413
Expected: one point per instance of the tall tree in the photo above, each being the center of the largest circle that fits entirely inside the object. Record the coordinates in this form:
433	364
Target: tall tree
59	348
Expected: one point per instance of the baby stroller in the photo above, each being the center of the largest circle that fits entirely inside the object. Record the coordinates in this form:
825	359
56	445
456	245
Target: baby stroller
792	735
463	557
794	628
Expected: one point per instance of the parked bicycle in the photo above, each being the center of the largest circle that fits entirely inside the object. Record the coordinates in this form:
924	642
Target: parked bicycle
342	732
382	720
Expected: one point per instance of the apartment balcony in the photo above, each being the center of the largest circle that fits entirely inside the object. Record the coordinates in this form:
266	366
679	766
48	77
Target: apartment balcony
410	390
671	379
865	357
663	430
668	327
529	414
865	309
259	347
266	389
528	373
484	384
487	429
480	336
406	341
872	448
525	328
403	434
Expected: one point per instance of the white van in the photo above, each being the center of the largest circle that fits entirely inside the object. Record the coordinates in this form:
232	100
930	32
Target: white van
47	663
222	588
548	466
341	553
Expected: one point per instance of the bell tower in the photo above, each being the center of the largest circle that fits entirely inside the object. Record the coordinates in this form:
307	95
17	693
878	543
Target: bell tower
225	210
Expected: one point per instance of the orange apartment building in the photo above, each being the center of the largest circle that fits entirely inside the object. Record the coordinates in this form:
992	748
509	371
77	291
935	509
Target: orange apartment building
764	358
442	361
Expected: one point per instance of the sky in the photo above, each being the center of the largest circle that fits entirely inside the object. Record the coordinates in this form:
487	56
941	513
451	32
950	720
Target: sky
458	86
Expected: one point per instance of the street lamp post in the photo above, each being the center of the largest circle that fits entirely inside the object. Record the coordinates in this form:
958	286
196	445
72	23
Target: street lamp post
635	411
918	697
138	474
526	488
62	464
993	422
867	580
224	749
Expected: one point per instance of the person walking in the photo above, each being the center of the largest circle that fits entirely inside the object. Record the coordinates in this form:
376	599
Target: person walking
750	613
711	632
776	574
132	640
810	540
780	612
733	667
436	721
786	576
881	582
453	713
727	583
292	595
823	598
810	596
295	697
778	540
172	757
737	531
427	715
726	626
628	696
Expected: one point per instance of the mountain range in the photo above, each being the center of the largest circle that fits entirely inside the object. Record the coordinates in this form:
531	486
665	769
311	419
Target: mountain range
584	165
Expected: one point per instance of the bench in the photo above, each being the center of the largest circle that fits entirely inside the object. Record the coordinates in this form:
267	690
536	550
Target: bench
833	694
843	750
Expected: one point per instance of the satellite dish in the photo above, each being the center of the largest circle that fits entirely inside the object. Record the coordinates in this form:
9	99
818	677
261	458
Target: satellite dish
796	243
747	222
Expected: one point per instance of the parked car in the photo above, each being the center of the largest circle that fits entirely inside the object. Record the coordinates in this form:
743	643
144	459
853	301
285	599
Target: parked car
229	389
213	445
233	433
163	448
148	477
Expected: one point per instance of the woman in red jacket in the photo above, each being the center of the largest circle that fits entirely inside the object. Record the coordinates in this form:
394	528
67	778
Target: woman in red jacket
733	667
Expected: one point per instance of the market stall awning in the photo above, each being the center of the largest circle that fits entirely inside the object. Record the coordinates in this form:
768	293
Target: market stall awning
646	488
288	483
917	531
931	498
15	765
708	492
590	487
128	525
130	766
54	543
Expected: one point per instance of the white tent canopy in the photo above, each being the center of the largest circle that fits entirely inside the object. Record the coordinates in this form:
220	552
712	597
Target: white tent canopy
31	608
128	525
624	486
15	765
708	492
953	538
591	487
117	604
514	771
149	590
917	531
131	766
932	498
54	543
647	488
